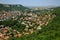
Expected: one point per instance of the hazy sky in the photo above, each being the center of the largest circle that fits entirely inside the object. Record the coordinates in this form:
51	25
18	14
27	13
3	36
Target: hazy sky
32	2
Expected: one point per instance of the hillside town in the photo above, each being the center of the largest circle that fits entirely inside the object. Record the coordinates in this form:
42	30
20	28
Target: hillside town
29	22
29	19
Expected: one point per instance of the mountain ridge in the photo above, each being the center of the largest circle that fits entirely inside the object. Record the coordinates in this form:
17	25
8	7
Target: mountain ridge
12	7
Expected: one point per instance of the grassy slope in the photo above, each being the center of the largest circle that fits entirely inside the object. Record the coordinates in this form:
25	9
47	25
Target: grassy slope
51	32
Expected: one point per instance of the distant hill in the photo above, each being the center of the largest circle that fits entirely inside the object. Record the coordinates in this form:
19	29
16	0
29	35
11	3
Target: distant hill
43	7
12	7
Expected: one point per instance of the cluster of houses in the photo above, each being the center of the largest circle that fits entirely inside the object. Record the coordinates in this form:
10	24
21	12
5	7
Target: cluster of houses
7	32
9	15
31	22
36	22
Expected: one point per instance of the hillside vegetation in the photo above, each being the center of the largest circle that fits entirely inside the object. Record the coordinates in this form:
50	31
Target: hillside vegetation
12	7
